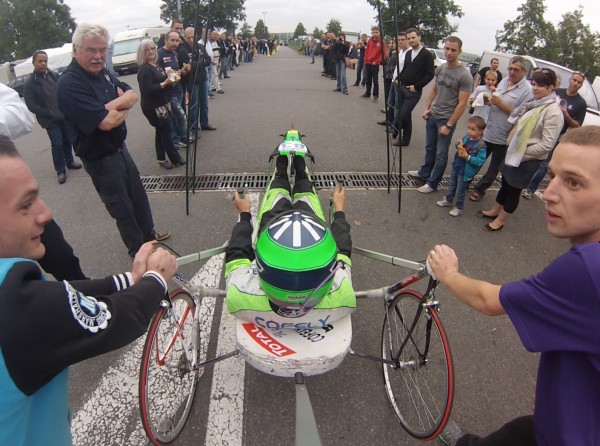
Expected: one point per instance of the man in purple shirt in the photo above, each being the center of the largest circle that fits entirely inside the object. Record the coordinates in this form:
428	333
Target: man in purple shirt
555	312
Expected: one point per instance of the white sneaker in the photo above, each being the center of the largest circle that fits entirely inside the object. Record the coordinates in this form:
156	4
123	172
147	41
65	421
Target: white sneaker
526	194
455	212
444	203
414	173
426	189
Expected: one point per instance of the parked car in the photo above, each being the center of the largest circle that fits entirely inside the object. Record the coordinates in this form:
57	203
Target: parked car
592	116
438	56
471	61
18	84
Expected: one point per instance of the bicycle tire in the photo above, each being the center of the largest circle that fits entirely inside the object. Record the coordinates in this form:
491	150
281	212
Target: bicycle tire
420	386
168	380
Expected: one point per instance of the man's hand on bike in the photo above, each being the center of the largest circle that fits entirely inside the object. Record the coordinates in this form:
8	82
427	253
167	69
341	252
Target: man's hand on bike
443	262
241	204
339	198
160	261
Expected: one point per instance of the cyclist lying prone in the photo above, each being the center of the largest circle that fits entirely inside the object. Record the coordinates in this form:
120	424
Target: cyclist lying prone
299	263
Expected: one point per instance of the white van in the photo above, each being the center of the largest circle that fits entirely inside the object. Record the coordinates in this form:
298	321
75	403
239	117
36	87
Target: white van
125	45
592	117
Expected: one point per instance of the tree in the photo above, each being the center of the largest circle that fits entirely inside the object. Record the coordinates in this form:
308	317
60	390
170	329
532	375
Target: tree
334	26
260	30
30	25
430	17
529	33
300	30
245	31
224	14
578	45
317	33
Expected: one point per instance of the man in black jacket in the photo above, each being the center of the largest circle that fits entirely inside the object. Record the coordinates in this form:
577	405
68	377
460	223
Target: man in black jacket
417	73
40	97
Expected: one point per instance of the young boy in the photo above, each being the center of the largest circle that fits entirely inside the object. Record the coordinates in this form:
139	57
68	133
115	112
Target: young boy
481	96
470	156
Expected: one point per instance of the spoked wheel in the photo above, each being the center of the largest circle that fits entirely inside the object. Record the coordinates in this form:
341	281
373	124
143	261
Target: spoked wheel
420	384
167	377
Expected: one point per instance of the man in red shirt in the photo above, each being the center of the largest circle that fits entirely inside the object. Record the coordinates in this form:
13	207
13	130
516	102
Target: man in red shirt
375	53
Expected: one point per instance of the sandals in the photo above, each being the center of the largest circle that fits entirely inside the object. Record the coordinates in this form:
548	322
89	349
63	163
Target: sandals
475	196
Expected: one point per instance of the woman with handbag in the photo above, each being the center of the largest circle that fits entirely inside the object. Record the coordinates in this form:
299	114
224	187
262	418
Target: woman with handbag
538	126
155	98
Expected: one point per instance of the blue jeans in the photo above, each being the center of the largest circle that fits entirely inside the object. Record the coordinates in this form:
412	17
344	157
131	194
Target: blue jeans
178	119
203	91
458	187
340	69
539	175
312	54
193	108
436	151
62	150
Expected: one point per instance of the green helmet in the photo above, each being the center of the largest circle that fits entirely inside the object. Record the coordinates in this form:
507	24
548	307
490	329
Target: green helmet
296	255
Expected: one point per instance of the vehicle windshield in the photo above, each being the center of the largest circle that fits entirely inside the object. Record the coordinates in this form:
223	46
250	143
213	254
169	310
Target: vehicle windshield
469	58
586	91
126	46
440	54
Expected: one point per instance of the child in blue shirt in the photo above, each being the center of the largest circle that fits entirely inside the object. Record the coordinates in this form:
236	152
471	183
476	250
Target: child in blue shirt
470	156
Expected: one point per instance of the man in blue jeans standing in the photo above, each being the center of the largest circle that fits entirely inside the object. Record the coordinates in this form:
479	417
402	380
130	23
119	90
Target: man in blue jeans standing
168	59
445	105
40	97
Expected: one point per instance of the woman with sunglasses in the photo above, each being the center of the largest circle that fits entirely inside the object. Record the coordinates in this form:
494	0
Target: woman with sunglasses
155	102
537	127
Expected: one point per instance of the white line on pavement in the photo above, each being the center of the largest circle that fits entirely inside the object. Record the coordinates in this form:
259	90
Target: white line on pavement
226	410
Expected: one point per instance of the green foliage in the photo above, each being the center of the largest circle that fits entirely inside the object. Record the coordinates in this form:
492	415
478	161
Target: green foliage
300	30
334	26
30	25
246	31
223	14
260	30
578	45
430	17
529	33
317	32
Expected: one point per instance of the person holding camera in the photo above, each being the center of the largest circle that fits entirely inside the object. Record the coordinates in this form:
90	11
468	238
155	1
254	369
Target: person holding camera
340	50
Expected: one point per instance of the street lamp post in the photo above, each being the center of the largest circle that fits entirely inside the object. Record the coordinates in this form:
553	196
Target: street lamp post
264	17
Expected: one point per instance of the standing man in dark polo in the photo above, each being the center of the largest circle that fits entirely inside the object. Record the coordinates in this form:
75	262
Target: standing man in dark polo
40	97
417	73
446	103
95	105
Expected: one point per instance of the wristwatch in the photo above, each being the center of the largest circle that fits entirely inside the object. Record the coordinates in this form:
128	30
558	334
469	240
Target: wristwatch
448	125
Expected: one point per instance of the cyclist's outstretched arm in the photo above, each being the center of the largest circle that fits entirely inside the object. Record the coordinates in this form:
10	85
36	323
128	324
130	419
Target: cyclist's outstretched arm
339	226
240	243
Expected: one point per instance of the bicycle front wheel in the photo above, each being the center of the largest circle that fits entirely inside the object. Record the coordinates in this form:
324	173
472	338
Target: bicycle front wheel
168	377
420	382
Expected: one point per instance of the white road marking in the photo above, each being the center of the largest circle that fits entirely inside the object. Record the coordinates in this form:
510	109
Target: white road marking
226	410
106	417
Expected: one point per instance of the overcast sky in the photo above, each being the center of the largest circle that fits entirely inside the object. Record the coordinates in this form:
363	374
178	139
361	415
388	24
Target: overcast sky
477	28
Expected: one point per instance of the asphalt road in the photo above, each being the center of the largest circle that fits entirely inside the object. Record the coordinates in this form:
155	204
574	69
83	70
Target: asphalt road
235	404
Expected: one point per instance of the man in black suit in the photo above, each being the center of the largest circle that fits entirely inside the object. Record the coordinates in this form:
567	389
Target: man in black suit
417	73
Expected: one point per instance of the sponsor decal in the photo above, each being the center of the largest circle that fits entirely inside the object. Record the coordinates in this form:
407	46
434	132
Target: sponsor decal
263	339
274	325
87	311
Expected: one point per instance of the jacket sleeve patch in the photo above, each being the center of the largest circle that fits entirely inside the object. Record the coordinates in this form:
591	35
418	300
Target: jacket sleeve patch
87	311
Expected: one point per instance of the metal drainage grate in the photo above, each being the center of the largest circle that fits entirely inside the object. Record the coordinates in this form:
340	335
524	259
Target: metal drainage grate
231	181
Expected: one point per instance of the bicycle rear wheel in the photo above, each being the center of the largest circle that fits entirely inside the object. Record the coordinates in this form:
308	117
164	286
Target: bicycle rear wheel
168	379
420	384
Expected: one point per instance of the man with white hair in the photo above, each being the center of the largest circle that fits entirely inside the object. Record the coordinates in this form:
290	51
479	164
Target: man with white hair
95	105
